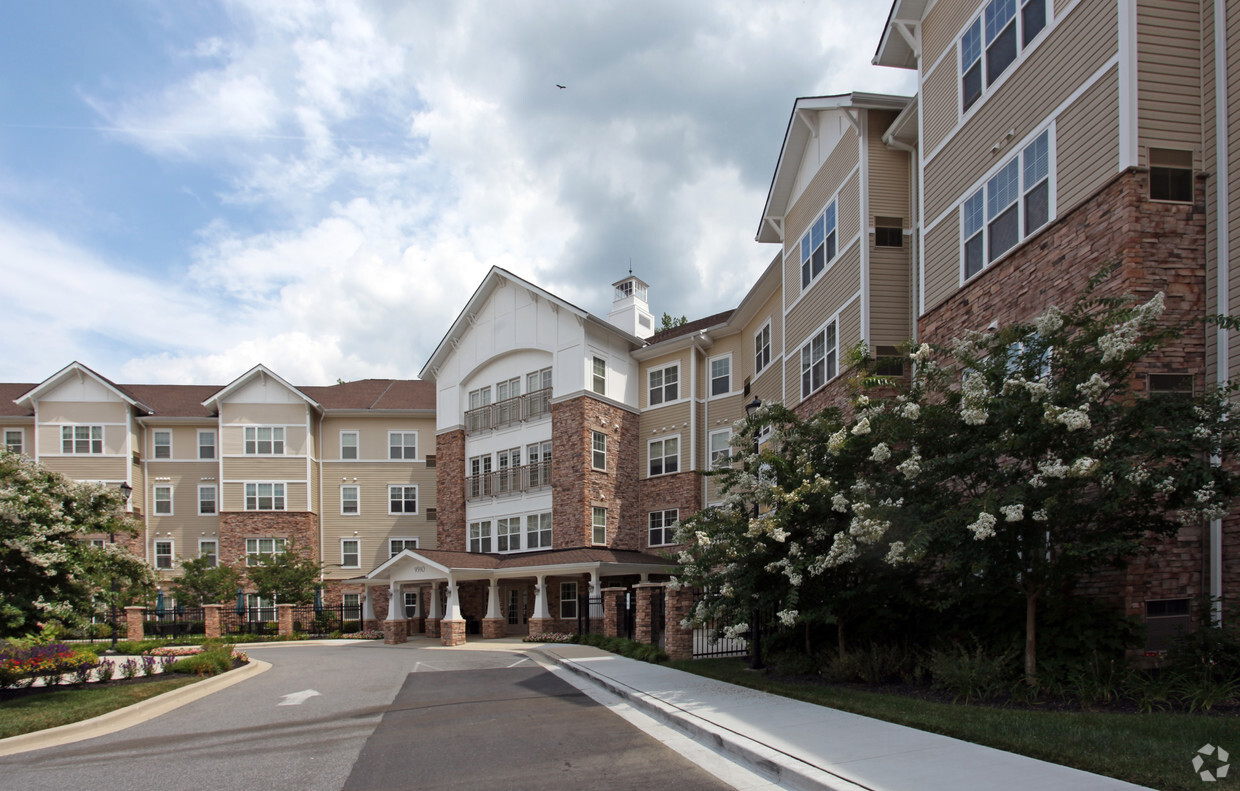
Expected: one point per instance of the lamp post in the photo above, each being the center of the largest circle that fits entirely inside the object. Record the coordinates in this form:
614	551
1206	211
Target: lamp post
755	622
126	490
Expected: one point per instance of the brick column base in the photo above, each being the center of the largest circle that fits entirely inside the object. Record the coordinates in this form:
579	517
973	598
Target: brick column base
394	632
611	611
452	632
372	625
284	615
493	628
677	640
541	625
432	627
641	631
133	623
213	620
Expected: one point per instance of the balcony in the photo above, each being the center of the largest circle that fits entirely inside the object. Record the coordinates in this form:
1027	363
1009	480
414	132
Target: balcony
512	480
509	412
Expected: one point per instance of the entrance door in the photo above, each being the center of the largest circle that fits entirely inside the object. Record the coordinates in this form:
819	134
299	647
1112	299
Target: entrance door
516	613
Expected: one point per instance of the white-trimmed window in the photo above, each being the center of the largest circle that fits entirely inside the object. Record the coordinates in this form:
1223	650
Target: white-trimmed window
1010	206
721	375
480	397
161	444
663	527
257	548
1171	175
664	455
264	440
399	545
264	497
568	600
509	388
163	554
508	534
664	384
163	500
720	447
402	499
81	439
402	444
350	553
598	450
819	358
348	445
352	606
598	525
538	380
208	500
818	246
206	444
350	500
599	379
411	604
996	36
14	440
538	531
762	348
480	536
209	550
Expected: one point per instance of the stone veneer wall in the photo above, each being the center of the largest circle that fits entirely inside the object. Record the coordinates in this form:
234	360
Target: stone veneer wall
683	491
576	488
450	490
301	528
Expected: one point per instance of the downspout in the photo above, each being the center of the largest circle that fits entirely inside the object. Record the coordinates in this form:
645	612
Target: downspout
1222	265
915	223
322	528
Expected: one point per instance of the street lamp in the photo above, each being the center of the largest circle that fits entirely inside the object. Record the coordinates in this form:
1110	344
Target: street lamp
126	490
755	622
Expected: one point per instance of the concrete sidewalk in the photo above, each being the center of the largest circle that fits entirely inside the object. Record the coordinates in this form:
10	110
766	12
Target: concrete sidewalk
805	746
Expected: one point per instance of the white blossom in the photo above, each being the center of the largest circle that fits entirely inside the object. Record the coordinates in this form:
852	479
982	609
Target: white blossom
787	617
880	452
779	534
910	411
1039	515
1119	341
735	631
1013	513
911	467
1103	444
1201	432
1138	475
843	550
835	443
895	553
1049	322
974	398
1083	466
1094	387
839	502
983	527
862	427
922	354
1166	485
1053	468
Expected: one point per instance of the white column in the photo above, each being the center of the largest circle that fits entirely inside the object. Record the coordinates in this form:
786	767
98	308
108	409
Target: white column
596	588
493	610
396	602
434	610
645	576
540	598
368	604
454	602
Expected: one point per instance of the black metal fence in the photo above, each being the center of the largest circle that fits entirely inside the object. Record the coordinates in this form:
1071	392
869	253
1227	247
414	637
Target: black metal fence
324	621
173	621
589	614
709	640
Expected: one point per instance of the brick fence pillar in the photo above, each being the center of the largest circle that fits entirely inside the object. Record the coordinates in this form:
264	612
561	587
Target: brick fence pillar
133	622
284	617
541	625
394	632
432	626
611	611
452	632
213	619
493	628
677	639
643	633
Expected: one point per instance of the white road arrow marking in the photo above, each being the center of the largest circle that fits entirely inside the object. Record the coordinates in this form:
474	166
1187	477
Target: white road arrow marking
298	698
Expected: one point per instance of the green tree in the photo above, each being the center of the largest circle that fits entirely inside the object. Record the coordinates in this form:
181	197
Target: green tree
669	321
289	576
49	571
205	582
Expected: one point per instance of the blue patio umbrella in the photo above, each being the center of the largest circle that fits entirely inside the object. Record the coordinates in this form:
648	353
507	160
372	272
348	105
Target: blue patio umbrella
240	602
318	600
159	601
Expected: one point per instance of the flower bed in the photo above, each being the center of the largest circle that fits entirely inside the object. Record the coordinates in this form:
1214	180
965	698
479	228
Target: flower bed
20	664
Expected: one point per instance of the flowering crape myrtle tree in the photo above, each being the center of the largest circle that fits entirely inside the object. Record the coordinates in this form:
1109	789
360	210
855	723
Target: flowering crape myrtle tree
48	570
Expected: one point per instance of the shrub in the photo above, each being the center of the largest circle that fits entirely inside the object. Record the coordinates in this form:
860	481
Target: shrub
971	675
795	663
208	663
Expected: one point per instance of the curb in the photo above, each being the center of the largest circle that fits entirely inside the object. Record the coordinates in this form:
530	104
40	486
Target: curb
784	769
130	715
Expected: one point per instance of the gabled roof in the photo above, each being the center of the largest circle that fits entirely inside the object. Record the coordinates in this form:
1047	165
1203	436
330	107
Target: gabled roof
796	139
9	393
54	381
445	561
893	48
375	394
493	280
213	401
690	327
175	400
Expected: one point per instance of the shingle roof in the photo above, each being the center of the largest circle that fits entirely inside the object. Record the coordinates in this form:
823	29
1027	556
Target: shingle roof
173	400
473	560
375	394
689	327
9	391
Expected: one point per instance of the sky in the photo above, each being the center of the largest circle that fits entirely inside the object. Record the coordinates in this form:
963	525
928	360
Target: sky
189	189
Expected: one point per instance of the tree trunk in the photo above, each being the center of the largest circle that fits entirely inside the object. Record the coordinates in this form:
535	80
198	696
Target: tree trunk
839	631
1031	639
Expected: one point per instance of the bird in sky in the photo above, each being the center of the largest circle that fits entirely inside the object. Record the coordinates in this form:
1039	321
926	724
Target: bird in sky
561	87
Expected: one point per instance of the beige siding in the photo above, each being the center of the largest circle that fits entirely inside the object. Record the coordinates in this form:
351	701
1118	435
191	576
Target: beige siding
263	414
940	106
850	331
943	25
1061	64
722	414
80	468
232	439
265	469
659	423
114	440
889	173
184	441
832	289
681	357
848	211
890	306
840	163
232	495
1087	138
770	311
184	478
373	436
1169	74
942	254
83	412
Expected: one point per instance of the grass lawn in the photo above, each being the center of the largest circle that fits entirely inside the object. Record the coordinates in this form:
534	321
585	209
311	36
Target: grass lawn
40	710
1154	750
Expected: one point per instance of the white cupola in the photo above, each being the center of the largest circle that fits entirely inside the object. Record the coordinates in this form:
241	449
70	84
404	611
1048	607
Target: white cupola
629	309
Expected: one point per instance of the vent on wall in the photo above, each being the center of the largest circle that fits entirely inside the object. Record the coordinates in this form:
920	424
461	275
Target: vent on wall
430	512
430	460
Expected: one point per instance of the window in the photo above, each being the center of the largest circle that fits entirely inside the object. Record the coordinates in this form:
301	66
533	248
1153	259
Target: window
1171	175
762	348
538	531
259	608
818	246
888	361
508	463
162	444
258	548
411	605
508	389
81	439
1173	385
14	440
508	534
538	380
348	445
888	232
599	384
402	444
264	497
663	527
163	554
350	553
818	360
538	457
206	444
999	22
664	384
598	525
480	397
207	500
399	545
208	549
1012	204
163	501
664	456
507	405
568	600
264	440
349	501
402	499
720	447
98	543
598	450
480	536
721	375
352	603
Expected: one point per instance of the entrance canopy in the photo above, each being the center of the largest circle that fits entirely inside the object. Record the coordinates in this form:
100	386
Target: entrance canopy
432	565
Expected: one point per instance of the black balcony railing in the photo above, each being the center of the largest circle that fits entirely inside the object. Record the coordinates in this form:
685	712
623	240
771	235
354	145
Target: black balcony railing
508	412
510	480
